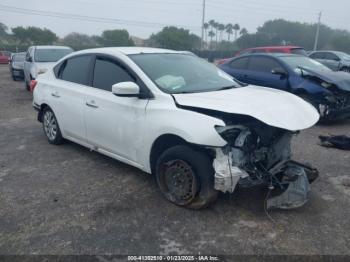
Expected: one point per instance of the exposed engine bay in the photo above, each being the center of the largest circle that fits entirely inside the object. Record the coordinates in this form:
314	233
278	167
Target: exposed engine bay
258	154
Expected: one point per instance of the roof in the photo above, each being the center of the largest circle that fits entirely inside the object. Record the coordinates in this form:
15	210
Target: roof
129	50
269	55
274	47
51	47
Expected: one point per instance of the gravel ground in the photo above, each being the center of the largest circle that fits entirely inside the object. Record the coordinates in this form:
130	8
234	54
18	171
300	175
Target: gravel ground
68	200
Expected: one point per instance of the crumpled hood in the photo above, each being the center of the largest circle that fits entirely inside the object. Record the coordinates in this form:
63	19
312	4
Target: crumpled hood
273	107
339	78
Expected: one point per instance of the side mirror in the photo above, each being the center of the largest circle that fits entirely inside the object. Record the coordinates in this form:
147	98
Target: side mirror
126	89
29	59
278	71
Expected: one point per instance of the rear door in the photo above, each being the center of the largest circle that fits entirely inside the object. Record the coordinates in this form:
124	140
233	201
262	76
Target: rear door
113	123
68	95
260	73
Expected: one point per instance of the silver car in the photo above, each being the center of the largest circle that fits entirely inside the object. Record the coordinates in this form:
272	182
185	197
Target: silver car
41	58
337	61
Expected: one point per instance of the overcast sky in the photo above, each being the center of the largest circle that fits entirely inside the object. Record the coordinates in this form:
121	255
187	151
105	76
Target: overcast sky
143	17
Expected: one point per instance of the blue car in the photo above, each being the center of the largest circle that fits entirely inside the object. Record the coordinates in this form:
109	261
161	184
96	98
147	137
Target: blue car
325	89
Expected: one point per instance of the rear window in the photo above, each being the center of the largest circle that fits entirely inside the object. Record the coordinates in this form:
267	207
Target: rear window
19	57
50	55
299	51
76	69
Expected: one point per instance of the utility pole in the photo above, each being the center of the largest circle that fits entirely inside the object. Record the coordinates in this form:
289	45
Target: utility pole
203	21
318	30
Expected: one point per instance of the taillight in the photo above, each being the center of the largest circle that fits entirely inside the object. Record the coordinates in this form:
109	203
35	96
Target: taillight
32	85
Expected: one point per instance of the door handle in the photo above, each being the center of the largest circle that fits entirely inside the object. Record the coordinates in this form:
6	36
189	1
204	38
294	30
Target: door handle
91	104
55	94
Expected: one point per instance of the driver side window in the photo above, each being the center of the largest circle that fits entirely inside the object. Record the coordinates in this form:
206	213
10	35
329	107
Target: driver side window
108	72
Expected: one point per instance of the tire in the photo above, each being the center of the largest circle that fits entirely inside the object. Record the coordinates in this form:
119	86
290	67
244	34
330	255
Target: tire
27	85
185	177
51	127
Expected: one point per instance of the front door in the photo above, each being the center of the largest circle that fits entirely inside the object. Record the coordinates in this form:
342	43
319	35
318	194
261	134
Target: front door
260	73
113	123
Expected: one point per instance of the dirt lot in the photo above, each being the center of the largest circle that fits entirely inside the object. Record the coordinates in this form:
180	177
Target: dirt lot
68	200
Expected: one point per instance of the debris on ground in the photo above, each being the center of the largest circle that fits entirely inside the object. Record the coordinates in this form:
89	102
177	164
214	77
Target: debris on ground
340	142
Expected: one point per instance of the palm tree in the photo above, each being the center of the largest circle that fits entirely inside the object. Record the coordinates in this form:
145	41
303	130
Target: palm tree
206	27
216	27
229	31
211	34
211	24
221	28
243	31
236	27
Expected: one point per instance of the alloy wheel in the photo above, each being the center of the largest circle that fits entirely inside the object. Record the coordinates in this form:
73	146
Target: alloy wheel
50	125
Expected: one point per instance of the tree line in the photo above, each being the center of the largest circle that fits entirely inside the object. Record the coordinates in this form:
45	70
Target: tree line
217	36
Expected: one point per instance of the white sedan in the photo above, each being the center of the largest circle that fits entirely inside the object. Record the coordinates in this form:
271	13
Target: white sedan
180	118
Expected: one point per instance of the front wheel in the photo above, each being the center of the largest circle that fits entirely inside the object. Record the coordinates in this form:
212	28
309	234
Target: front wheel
51	127
186	177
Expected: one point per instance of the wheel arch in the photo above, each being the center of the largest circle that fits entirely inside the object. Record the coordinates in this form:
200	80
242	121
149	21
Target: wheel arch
161	144
41	111
166	141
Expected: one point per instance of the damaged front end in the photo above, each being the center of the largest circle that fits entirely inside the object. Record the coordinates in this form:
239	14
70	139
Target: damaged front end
335	106
258	154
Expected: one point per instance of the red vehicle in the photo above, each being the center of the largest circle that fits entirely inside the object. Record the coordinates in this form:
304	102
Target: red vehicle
270	49
5	57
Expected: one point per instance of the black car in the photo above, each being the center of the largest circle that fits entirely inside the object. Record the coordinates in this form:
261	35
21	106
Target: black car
326	90
16	66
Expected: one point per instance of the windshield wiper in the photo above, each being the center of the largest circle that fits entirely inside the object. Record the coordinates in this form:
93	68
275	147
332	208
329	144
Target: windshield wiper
226	88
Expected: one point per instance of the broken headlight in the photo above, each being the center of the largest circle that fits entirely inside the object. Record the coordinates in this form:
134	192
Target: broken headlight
228	133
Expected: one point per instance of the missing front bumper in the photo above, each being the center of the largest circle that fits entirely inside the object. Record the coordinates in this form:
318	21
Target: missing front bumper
294	190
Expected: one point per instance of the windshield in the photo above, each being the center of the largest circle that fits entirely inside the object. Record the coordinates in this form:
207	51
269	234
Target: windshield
51	55
343	55
19	57
297	62
183	73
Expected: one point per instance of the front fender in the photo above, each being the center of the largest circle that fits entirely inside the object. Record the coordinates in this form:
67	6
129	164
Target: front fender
193	127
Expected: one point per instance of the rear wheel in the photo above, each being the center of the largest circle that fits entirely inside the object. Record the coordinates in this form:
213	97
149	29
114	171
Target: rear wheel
27	85
186	177
51	127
